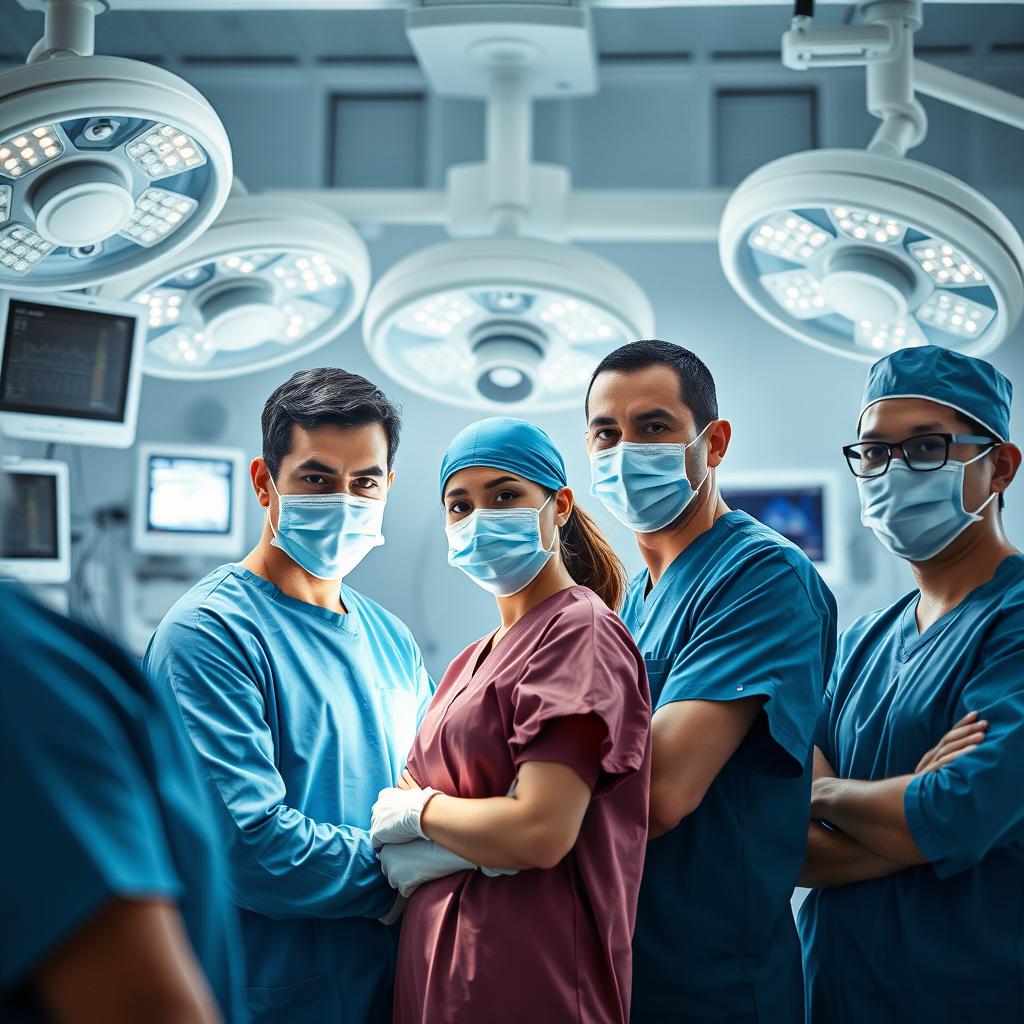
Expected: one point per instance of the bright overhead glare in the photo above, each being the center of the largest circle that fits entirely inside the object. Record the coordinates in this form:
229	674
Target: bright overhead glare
271	280
82	141
859	253
502	323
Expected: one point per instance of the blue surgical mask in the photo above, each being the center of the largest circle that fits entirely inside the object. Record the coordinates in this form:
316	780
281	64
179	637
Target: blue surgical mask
644	486
500	549
327	534
917	515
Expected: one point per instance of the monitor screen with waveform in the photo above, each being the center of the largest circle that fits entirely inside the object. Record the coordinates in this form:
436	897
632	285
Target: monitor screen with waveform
60	361
30	518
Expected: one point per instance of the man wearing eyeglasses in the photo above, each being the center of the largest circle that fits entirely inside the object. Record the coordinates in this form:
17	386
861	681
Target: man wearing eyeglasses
916	841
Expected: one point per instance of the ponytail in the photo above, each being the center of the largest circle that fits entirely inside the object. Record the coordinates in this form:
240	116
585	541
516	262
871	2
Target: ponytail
590	560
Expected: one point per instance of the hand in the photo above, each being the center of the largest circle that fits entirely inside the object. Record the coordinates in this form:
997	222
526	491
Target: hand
961	739
407	866
407	781
410	865
395	817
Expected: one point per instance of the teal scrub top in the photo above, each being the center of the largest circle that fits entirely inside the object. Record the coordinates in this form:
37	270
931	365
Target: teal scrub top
942	941
740	613
300	717
103	802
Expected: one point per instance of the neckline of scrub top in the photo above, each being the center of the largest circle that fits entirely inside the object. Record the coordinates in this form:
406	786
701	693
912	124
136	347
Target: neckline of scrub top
692	550
347	623
912	639
479	659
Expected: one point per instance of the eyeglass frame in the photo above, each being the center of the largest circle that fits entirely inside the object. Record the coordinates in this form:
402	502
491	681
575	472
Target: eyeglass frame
950	439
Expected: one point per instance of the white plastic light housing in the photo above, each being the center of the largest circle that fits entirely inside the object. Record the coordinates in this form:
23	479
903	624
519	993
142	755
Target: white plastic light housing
502	323
899	235
223	307
83	140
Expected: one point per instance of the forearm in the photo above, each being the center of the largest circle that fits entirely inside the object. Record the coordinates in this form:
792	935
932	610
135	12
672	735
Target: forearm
833	858
871	813
497	832
291	866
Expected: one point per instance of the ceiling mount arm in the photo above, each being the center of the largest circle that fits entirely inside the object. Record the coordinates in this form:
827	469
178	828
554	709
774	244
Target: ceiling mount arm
968	94
69	29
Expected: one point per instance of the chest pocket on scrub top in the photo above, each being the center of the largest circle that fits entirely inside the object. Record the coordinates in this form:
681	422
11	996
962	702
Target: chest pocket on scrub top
657	672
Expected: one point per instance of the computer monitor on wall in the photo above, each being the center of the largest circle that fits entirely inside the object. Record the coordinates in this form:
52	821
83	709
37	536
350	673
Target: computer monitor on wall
35	528
803	506
189	500
70	368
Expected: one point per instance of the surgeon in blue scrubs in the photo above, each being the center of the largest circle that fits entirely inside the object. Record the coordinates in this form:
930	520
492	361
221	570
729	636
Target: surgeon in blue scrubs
916	845
303	698
113	899
738	634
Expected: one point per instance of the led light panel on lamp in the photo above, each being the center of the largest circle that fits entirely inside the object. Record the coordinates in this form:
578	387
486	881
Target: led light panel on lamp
26	152
867	225
438	315
165	150
157	213
21	249
789	236
954	314
575	320
945	264
902	333
798	292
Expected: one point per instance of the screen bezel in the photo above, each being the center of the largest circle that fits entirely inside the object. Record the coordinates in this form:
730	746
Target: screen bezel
43	570
87	428
833	567
148	541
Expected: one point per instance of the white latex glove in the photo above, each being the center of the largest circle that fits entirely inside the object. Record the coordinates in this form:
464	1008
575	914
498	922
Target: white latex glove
395	817
407	866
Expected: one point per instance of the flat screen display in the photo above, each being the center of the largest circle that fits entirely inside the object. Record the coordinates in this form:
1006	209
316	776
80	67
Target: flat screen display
798	513
66	362
189	495
30	517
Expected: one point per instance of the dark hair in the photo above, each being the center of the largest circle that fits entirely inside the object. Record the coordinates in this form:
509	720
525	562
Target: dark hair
324	395
696	385
980	430
589	558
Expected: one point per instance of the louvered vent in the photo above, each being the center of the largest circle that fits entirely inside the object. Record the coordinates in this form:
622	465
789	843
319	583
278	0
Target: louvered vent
755	126
377	141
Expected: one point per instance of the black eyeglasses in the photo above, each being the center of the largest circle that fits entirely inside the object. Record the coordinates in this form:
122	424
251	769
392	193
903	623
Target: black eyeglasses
922	452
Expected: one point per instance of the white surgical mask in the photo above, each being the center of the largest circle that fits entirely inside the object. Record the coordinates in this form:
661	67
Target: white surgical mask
644	486
916	515
500	550
327	534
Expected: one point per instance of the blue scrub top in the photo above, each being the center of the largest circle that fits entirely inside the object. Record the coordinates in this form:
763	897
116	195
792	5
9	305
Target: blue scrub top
942	941
740	613
300	716
103	802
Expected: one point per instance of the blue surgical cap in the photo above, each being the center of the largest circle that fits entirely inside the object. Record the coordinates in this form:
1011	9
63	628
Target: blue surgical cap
968	385
513	445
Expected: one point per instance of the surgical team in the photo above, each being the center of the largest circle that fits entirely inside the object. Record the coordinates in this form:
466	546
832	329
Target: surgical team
600	812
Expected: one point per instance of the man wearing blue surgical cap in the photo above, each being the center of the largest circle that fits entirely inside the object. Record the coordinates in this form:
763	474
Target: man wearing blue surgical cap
916	841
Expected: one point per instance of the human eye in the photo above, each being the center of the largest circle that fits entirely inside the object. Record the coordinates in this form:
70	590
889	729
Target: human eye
654	428
365	483
315	480
504	497
458	508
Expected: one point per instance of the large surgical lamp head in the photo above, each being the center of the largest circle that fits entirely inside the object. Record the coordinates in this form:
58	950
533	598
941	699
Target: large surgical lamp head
861	254
105	163
502	323
269	281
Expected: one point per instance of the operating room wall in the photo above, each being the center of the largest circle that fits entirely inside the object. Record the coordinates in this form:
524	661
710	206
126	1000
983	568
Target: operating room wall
791	406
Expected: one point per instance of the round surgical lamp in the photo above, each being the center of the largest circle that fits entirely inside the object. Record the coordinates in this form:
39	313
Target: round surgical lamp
862	254
501	323
271	280
105	165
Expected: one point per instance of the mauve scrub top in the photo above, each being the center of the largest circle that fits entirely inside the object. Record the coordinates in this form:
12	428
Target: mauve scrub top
543	945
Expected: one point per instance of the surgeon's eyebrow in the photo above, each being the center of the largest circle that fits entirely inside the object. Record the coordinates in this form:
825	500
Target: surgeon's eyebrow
369	471
316	467
459	491
654	414
920	428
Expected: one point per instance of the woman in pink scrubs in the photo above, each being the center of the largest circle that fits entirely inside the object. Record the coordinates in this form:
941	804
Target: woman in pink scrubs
533	758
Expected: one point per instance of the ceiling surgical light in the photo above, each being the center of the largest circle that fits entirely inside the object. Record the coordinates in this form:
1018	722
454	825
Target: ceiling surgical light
110	162
862	253
926	259
268	282
502	323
